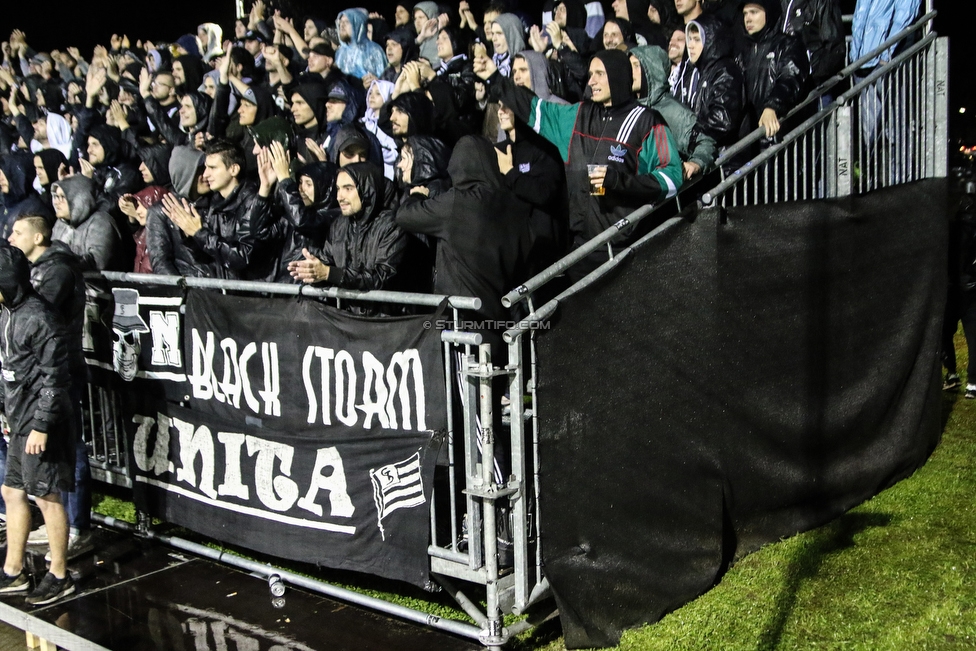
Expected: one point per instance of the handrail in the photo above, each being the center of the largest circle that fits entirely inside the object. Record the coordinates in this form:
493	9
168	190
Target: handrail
881	71
375	295
709	197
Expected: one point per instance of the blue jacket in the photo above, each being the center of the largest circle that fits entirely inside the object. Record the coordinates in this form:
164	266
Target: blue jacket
875	21
360	55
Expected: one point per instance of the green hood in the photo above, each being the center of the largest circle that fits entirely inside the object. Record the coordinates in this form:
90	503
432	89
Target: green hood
655	66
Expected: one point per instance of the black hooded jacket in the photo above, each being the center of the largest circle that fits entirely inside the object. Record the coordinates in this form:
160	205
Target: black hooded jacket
20	198
300	226
820	26
774	66
156	158
118	173
484	234
420	109
52	160
430	159
407	41
174	133
538	177
192	72
365	250
576	25
315	95
57	275
35	374
714	90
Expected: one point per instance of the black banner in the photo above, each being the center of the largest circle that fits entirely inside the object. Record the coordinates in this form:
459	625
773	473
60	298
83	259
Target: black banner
748	376
352	502
302	366
301	431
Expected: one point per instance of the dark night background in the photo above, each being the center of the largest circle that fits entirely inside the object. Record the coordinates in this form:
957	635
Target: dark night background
84	24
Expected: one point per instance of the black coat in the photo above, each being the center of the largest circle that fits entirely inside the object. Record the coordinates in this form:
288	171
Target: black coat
20	199
298	226
228	239
484	234
820	26
57	276
714	90
170	251
775	69
35	374
365	250
538	177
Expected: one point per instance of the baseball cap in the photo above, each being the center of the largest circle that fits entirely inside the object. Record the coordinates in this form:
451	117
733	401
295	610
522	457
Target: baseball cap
254	35
322	48
337	92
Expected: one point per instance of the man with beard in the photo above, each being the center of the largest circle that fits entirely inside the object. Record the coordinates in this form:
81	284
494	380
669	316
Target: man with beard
110	164
357	56
364	248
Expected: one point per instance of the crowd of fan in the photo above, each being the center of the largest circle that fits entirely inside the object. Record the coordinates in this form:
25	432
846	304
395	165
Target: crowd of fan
443	151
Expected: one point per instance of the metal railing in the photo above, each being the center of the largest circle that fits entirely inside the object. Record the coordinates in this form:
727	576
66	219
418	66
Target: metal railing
464	535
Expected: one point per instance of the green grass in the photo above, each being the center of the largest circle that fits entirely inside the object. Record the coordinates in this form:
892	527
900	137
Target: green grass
898	572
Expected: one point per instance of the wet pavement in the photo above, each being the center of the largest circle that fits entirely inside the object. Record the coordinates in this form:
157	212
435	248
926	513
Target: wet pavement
137	595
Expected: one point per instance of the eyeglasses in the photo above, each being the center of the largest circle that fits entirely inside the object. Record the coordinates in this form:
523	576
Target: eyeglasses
156	82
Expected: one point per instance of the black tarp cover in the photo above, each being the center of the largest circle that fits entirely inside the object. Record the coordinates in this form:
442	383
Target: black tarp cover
750	375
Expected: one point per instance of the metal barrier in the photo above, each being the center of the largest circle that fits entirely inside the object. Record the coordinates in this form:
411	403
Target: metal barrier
464	536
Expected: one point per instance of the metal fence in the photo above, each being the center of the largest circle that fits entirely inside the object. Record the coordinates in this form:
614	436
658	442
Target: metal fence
482	508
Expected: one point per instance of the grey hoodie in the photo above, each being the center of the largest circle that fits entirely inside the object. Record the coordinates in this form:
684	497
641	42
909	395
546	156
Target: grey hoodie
184	163
91	235
428	49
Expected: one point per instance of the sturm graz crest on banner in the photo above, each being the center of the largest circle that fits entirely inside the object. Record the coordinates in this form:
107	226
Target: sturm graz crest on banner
397	486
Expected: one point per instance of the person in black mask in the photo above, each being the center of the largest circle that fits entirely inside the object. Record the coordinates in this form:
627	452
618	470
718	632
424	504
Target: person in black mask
619	156
534	172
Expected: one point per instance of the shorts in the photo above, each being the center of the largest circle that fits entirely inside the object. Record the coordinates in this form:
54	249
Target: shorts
52	471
